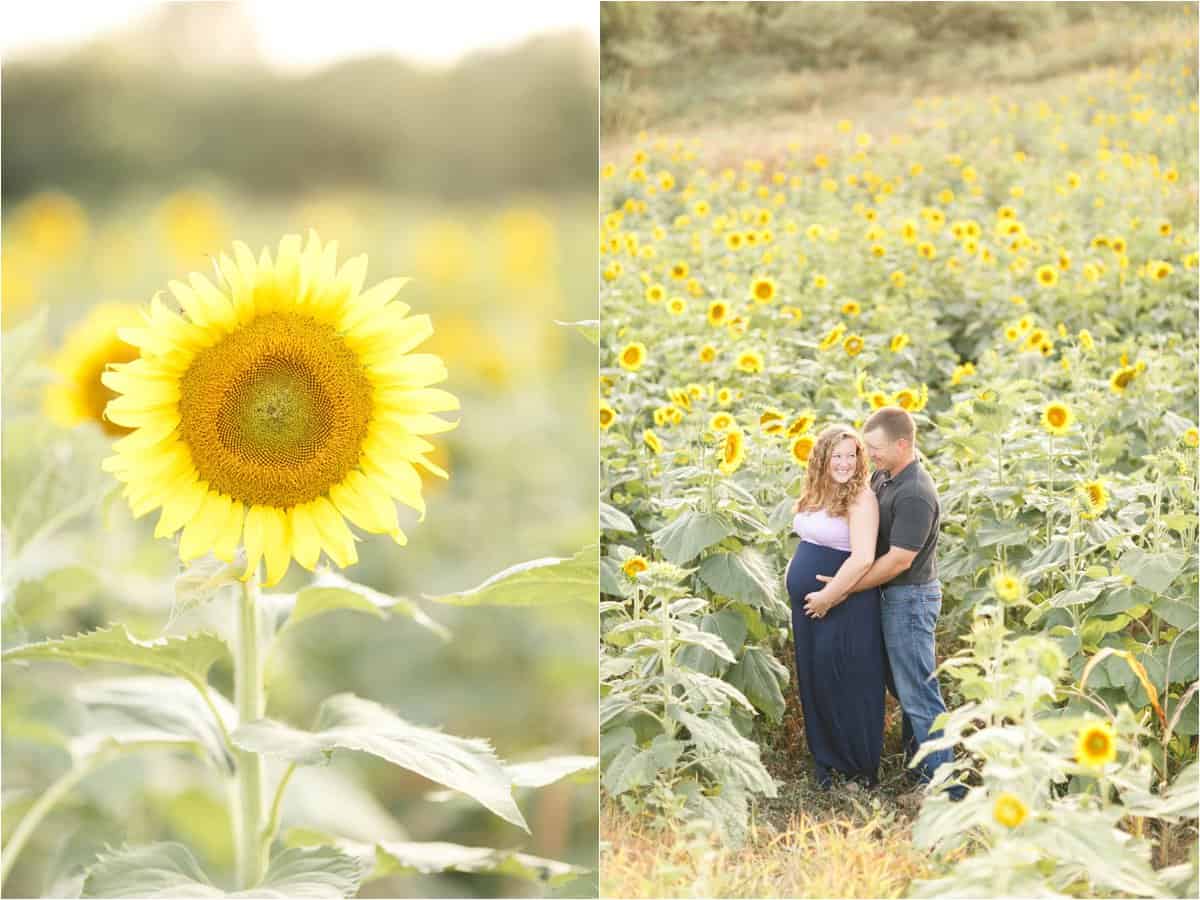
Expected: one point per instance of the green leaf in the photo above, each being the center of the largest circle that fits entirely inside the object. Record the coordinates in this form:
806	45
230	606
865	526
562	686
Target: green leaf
538	582
634	767
168	870
610	578
203	579
169	705
745	576
757	675
467	765
612	519
682	539
330	592
1084	594
436	857
1176	613
589	328
1001	533
547	771
1154	572
188	657
687	633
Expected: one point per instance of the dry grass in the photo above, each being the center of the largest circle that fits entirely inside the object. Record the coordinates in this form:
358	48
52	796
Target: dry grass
755	108
867	855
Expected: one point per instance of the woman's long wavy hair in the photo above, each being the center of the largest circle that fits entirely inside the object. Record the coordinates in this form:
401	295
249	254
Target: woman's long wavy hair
820	490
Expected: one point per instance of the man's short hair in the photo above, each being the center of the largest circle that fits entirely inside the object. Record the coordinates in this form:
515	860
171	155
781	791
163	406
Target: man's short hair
893	421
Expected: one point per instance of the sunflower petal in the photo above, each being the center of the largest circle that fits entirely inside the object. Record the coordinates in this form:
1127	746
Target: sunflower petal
200	534
335	534
276	544
180	508
306	540
254	539
226	545
368	302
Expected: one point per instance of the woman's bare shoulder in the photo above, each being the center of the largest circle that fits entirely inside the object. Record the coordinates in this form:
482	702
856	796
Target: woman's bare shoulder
865	499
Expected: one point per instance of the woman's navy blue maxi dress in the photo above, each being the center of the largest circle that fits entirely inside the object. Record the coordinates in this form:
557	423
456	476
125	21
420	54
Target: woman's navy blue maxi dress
839	669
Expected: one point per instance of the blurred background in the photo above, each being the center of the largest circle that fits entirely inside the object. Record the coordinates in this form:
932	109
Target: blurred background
141	139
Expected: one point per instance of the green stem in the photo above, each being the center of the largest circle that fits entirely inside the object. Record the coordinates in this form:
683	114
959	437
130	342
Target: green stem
1050	490
249	698
46	802
272	826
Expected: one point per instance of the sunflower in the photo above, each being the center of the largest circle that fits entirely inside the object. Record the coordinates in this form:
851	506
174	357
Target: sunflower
651	440
1121	378
1009	810
733	451
635	565
851	308
1057	418
1095	495
800	424
707	353
1191	437
1096	746
1008	587
853	345
750	361
80	395
1047	276
608	415
276	407
1086	341
878	399
677	306
905	398
718	310
762	290
632	356
679	271
833	337
802	448
899	342
771	421
721	421
655	293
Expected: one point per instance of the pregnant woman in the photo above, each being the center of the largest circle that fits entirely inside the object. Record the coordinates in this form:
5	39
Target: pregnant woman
839	645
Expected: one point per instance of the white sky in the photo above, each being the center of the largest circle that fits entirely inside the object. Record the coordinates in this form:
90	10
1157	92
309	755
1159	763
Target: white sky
303	35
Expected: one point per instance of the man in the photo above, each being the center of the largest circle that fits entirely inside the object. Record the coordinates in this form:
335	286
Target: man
906	570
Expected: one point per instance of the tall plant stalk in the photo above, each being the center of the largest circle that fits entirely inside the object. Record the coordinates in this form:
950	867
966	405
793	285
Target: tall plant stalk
250	700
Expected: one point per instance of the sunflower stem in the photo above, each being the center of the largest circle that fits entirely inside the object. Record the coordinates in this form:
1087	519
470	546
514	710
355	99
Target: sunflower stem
250	700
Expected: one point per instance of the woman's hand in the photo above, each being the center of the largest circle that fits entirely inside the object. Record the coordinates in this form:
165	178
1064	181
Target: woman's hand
818	603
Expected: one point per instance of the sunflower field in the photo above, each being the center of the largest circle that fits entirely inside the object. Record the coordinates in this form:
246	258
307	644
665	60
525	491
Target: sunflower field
1020	273
419	717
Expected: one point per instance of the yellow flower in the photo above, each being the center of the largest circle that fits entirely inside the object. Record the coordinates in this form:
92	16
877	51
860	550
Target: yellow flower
1095	494
802	448
1009	810
899	342
897	278
750	361
718	310
608	415
1191	437
632	356
878	399
1096	746
853	345
905	398
679	270
1121	378
1047	276
677	306
1057	418
1086	341
707	353
762	290
851	308
833	337
724	396
820	281
927	250
1008	587
800	424
733	451
52	225
634	566
771	421
79	395
651	440
277	407
655	293
721	421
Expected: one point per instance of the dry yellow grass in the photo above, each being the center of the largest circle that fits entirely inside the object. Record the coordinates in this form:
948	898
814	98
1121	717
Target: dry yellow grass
871	856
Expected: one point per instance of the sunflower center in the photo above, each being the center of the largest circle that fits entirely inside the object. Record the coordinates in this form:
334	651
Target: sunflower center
276	412
1056	417
1097	744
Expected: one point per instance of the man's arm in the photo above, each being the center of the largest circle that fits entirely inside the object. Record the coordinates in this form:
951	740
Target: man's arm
883	570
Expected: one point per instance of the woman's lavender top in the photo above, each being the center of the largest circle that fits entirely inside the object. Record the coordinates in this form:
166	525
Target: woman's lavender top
818	527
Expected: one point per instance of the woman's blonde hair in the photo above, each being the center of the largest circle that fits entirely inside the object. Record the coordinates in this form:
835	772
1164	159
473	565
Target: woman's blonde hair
820	490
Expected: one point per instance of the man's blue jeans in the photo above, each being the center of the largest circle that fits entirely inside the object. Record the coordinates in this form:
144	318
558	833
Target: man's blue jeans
909	613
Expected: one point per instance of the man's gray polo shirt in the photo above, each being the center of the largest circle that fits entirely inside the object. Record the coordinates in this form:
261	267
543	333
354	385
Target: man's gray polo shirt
909	517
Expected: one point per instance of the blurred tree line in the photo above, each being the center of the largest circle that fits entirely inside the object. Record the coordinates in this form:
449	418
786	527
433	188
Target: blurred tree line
647	36
109	118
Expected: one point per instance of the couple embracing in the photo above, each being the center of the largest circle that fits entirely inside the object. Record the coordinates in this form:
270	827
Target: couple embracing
865	597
